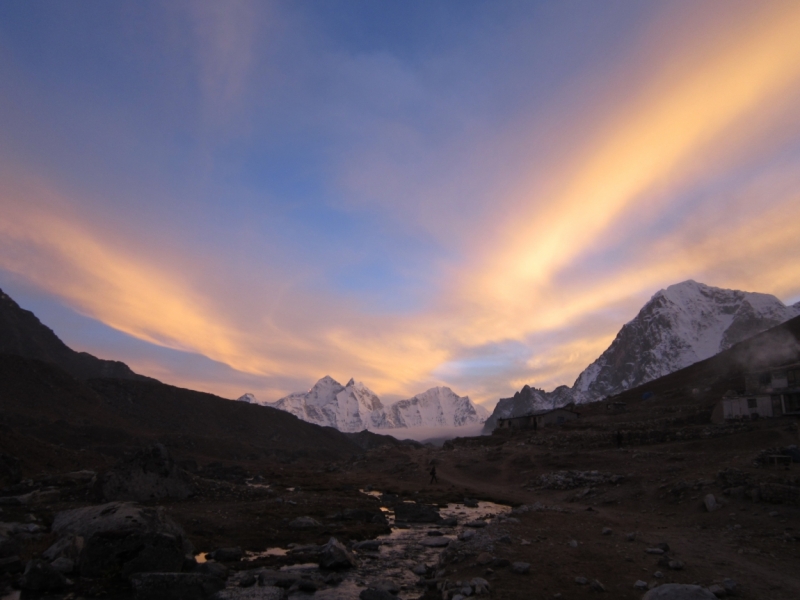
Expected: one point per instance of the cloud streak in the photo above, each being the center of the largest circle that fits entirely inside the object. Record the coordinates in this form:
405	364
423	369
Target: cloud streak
544	228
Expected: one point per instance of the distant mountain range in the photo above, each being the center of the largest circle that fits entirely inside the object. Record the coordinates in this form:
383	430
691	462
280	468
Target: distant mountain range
679	326
354	407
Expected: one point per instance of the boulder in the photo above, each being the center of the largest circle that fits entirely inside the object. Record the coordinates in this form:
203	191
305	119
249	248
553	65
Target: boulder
435	542
226	554
39	576
8	547
149	474
167	586
373	594
410	512
679	591
250	593
710	503
119	537
521	568
303	523
10	564
334	555
476	524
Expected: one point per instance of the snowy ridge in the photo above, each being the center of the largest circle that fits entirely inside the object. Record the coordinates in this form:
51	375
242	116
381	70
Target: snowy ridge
354	407
249	398
679	326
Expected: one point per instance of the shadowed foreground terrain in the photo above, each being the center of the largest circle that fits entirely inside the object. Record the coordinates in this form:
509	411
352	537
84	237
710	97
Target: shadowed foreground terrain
583	515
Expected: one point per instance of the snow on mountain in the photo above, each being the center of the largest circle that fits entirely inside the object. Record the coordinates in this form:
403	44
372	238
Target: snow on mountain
249	398
349	408
355	407
437	407
681	325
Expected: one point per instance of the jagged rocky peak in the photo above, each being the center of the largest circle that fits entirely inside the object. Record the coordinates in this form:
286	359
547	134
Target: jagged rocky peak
679	326
355	407
248	397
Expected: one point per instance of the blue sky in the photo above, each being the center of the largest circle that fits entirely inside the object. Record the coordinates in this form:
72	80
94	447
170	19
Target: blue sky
246	196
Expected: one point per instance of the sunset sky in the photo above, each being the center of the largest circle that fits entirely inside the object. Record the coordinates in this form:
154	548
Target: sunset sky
246	196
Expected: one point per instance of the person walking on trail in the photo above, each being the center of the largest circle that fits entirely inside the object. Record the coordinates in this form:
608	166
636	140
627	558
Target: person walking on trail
434	479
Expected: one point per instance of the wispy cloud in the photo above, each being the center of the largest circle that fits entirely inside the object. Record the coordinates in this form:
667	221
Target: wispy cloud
551	225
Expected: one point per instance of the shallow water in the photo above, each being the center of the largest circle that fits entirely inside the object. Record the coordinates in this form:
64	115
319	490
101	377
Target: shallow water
400	551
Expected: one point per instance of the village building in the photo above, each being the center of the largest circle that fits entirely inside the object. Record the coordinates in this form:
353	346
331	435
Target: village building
768	393
539	418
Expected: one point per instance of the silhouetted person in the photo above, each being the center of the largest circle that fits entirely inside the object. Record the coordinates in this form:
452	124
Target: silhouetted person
619	439
434	479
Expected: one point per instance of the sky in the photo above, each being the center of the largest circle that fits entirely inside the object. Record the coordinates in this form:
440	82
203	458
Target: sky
247	196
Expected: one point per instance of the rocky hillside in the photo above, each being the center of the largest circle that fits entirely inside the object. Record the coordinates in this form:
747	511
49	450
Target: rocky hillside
23	334
681	325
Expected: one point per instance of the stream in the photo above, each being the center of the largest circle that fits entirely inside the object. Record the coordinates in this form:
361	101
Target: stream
399	552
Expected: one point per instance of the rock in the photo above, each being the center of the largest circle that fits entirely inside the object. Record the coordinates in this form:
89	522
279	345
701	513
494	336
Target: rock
717	590
470	503
251	593
39	576
373	594
63	565
710	503
504	539
631	537
304	523
10	564
731	587
663	545
148	474
679	591
658	575
573	543
166	586
448	522
367	546
434	533
476	524
521	568
248	579
479	586
421	569
8	547
362	515
498	563
435	542
654	551
226	554
597	586
607	531
581	581
335	556
640	585
676	565
484	558
213	568
410	512
120	537
466	535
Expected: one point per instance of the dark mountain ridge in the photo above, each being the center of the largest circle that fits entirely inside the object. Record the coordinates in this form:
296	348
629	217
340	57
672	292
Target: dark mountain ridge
23	334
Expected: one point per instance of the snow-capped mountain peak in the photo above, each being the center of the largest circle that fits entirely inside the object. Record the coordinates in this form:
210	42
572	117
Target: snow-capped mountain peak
436	407
679	326
355	407
248	397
